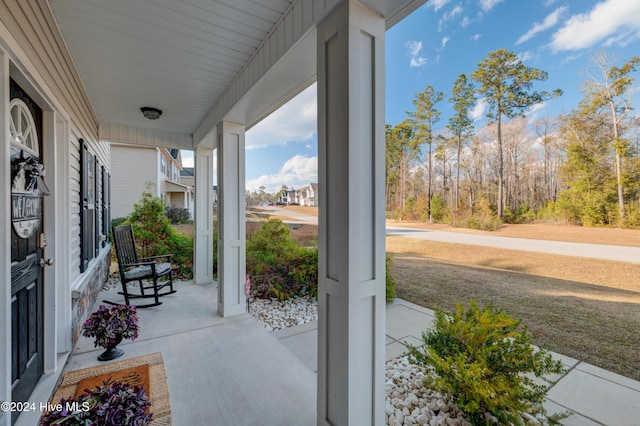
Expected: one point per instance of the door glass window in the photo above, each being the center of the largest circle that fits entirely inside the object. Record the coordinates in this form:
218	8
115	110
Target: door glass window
22	127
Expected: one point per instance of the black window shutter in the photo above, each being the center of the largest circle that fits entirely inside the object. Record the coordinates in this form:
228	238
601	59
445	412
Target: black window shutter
106	204
97	210
84	205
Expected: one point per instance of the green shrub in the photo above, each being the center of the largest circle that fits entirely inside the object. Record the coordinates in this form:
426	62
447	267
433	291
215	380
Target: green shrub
390	281
438	208
177	214
486	364
522	214
154	234
117	221
278	266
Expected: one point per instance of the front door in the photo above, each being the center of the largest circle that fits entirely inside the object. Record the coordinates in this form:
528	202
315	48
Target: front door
27	242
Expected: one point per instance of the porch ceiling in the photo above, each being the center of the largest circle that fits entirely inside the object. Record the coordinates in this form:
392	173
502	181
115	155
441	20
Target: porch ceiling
183	56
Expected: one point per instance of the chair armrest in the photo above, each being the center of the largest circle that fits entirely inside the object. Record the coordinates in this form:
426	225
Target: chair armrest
128	265
168	256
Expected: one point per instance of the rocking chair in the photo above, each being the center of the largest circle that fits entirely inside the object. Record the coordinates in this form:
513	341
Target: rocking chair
131	268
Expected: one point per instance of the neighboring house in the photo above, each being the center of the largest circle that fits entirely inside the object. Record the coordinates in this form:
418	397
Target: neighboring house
288	197
305	196
158	170
187	178
308	195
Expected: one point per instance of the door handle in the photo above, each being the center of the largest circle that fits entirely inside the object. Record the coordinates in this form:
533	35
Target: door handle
47	262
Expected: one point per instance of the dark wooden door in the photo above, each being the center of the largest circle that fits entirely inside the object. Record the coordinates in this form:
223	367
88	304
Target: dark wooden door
26	241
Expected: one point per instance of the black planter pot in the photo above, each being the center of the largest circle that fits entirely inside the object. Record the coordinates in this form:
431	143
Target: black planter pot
112	352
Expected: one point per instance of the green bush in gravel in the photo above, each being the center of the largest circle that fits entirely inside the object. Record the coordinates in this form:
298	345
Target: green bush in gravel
486	362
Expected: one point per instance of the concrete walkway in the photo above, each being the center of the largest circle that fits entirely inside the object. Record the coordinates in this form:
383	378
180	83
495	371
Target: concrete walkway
591	395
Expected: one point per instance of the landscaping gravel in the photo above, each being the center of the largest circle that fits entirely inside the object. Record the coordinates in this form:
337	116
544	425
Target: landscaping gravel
276	315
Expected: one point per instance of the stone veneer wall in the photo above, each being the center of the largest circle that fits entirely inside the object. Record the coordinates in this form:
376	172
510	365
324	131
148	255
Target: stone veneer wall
83	300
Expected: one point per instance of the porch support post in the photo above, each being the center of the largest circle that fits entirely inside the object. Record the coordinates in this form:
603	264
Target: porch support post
231	219
5	242
351	276
203	216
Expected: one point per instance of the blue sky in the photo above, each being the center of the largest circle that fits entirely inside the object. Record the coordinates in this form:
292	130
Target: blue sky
441	40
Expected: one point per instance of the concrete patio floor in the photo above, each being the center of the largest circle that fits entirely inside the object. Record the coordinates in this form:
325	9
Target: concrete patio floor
233	371
223	371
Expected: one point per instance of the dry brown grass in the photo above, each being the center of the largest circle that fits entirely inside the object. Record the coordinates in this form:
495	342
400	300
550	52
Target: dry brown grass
587	309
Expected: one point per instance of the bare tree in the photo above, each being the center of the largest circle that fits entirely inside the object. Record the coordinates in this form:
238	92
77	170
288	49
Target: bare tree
609	87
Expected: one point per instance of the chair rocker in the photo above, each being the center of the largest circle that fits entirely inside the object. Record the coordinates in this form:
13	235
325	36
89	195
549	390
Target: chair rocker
149	269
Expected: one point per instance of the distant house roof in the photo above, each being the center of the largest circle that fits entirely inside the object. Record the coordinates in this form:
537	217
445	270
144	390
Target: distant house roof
173	153
187	172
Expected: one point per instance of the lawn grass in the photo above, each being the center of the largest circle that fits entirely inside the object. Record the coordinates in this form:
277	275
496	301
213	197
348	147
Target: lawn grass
584	308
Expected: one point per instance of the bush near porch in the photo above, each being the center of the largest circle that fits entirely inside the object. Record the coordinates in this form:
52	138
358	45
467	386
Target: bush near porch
154	234
283	263
278	266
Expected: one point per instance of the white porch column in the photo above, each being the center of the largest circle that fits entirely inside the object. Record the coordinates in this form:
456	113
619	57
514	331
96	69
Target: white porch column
203	217
5	242
351	276
231	219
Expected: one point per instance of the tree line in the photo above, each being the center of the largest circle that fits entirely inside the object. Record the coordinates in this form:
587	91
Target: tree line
581	167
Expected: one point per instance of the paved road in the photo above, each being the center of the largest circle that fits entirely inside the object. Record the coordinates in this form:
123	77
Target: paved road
300	217
595	251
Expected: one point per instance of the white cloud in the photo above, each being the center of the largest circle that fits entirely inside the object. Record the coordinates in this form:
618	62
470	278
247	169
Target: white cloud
479	110
535	110
608	21
437	4
413	49
445	40
571	58
550	21
525	56
487	5
457	10
549	2
476	37
465	22
296	121
296	172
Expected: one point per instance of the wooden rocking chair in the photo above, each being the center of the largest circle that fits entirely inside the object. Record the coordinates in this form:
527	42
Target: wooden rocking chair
131	268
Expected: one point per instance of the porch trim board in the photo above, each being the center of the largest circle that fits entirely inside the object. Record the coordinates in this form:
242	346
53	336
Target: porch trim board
5	240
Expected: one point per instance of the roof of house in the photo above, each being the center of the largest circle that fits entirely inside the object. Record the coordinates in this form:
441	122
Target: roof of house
174	153
187	172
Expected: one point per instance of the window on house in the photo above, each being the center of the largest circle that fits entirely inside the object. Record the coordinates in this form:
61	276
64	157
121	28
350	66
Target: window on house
163	166
95	205
106	204
87	206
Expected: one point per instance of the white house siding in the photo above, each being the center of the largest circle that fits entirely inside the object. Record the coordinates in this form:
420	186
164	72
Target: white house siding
128	161
42	66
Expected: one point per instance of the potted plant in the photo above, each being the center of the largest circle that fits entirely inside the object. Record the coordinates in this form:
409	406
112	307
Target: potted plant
112	404
109	326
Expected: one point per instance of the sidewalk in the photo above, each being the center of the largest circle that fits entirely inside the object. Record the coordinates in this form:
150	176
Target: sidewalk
592	395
